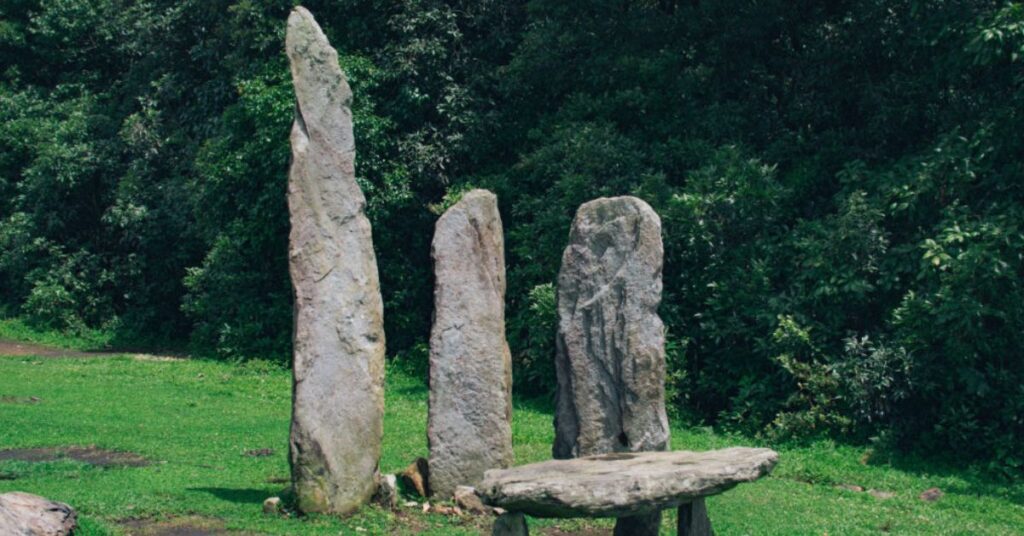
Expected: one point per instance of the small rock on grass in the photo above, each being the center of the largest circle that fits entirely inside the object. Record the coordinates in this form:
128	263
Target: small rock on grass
931	495
446	510
272	506
24	513
387	492
850	487
466	497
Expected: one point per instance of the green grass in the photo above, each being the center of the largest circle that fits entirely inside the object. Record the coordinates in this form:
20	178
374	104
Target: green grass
15	329
196	419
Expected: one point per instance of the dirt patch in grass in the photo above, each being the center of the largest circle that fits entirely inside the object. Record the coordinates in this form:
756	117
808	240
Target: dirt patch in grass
25	349
5	399
13	348
90	455
182	526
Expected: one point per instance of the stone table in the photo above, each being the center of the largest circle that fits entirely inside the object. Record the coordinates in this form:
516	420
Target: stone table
622	485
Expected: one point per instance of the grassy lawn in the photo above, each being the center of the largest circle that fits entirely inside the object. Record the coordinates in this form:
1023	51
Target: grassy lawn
195	421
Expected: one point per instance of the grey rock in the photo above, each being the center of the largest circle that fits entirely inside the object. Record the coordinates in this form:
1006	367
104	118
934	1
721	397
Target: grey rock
469	426
510	524
610	359
338	399
387	492
468	500
610	350
648	524
24	514
693	519
622	484
272	505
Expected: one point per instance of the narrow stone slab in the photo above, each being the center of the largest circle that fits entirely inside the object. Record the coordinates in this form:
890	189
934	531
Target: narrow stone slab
622	484
610	351
338	399
24	513
469	426
610	359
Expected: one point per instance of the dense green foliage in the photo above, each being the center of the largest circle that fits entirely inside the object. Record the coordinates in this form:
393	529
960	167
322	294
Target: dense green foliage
840	185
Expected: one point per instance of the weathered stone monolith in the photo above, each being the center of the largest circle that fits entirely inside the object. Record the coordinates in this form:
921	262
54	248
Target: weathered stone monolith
469	426
610	356
338	391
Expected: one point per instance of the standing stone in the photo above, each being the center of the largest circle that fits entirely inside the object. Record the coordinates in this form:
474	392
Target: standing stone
469	426
610	355
338	393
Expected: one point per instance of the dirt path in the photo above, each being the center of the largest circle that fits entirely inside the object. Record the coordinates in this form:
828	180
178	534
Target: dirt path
18	349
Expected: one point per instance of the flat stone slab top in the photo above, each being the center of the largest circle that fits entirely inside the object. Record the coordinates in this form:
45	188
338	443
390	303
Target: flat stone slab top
622	484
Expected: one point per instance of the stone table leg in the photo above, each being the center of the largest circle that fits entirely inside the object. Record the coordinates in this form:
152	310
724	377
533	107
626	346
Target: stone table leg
510	524
693	519
641	525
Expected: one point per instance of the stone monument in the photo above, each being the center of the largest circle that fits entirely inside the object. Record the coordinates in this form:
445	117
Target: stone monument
338	389
610	349
469	427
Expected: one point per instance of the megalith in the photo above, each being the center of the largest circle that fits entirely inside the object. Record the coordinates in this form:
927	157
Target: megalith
338	369
469	426
610	347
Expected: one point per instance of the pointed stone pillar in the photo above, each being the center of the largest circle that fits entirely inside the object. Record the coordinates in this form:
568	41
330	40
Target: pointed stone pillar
338	389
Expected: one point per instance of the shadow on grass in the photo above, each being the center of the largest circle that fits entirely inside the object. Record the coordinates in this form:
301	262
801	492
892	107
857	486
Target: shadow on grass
240	496
975	479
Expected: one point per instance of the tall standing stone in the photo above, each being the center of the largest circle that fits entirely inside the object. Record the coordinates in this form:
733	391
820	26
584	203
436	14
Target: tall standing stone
470	366
610	356
338	391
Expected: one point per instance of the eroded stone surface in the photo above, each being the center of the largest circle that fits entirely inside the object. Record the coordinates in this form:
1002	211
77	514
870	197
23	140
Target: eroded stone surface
622	484
469	427
338	402
610	359
24	514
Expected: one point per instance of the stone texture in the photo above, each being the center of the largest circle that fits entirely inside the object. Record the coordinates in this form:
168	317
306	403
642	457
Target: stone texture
468	500
693	519
24	514
622	484
338	398
610	359
510	524
387	492
639	525
610	350
469	427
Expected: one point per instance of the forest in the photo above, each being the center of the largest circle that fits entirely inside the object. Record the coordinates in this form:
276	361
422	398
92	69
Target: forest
841	187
